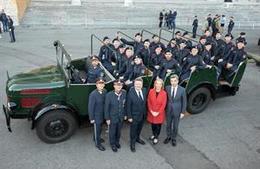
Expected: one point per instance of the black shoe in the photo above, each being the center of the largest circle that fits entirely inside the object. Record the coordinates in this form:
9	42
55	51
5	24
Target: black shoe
174	143
140	141
118	146
114	148
132	148
102	140
100	147
167	140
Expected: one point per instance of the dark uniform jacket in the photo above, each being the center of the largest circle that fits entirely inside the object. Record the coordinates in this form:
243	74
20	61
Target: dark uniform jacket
96	104
137	45
137	71
219	50
93	74
115	106
193	61
153	45
145	54
105	58
127	67
195	23
156	60
136	107
206	57
236	57
172	65
182	54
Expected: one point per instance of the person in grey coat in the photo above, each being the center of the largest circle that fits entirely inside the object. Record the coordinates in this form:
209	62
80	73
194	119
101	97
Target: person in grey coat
176	106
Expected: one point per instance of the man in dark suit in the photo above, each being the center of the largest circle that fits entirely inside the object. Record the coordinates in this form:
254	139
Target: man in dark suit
96	111
136	111
176	105
115	113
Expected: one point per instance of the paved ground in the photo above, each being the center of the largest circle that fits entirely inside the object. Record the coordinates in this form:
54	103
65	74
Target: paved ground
226	135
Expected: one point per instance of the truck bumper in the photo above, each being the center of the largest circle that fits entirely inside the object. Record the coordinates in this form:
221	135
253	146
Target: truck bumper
7	118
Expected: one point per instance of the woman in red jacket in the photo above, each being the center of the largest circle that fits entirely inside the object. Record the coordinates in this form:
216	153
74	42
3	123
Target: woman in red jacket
157	99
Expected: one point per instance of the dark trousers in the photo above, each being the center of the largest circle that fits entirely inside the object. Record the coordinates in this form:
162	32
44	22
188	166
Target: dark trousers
115	133
135	131
5	26
12	36
229	30
97	133
156	129
194	31
160	23
172	123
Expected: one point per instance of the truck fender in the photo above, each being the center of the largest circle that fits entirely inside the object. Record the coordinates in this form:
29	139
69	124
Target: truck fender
46	109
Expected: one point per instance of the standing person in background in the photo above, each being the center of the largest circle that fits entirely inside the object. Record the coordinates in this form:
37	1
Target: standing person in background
11	29
4	20
195	25
231	25
173	22
222	23
160	19
156	103
209	19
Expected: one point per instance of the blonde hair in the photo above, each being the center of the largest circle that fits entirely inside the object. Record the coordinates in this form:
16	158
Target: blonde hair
159	80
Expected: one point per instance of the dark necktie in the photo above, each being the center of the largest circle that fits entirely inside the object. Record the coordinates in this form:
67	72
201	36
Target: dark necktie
140	95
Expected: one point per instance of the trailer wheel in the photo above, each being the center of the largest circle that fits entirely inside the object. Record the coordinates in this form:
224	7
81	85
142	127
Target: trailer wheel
198	100
56	126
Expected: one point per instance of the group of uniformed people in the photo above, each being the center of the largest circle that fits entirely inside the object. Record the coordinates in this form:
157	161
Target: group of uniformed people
128	60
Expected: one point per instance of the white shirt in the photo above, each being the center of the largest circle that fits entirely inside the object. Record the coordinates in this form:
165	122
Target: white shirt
175	91
140	93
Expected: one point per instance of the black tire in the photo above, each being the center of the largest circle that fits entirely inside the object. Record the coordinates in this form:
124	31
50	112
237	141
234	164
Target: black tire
56	126
198	100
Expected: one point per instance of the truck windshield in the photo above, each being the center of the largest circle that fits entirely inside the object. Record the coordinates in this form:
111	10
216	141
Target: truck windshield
63	59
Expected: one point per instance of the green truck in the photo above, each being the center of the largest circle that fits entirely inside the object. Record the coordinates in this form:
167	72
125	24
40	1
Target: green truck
47	97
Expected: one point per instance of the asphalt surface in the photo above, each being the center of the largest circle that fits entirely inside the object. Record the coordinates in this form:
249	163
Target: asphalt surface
225	136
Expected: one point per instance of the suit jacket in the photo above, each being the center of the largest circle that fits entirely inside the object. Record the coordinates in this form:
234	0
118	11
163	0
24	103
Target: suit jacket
115	108
136	107
176	105
96	106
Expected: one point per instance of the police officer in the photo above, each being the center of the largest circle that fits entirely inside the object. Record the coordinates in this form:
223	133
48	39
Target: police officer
222	61
187	40
136	111
137	70
145	52
195	25
115	113
156	61
96	104
178	37
127	66
182	53
201	44
206	54
105	55
169	64
237	56
218	51
120	57
173	47
242	37
155	42
191	63
94	71
136	44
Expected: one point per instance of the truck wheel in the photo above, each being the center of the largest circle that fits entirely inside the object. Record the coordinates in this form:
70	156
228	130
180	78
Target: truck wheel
198	100
56	126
